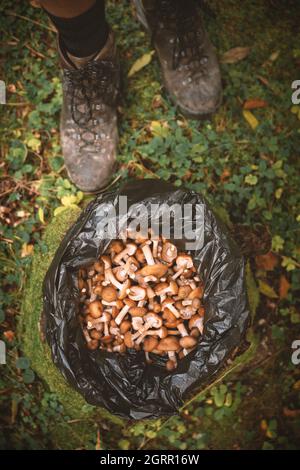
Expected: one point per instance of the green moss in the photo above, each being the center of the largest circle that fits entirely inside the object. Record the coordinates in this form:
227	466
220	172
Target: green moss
80	428
39	352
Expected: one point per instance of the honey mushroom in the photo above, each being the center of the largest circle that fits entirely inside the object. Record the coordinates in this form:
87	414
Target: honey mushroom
142	293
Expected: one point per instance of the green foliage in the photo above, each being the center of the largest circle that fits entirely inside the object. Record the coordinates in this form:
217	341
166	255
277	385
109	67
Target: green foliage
252	174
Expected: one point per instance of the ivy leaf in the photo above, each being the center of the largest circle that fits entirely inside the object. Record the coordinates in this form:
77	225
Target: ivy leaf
22	363
28	376
251	180
277	243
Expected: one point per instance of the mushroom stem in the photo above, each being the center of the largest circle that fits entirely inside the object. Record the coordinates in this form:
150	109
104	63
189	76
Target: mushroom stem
182	330
148	254
122	314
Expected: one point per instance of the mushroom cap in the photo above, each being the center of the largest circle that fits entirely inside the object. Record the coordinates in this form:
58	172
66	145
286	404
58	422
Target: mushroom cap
99	267
98	289
170	365
131	303
168	301
196	303
126	285
109	294
160	287
188	342
139	255
170	343
184	261
196	293
137	311
187	312
157	270
195	321
150	343
107	339
137	323
93	344
153	319
131	248
95	309
169	316
125	326
169	252
137	293
120	273
95	334
116	246
184	291
128	340
138	236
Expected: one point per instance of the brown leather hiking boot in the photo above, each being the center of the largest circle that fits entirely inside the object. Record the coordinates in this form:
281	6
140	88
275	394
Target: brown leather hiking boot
189	64
89	133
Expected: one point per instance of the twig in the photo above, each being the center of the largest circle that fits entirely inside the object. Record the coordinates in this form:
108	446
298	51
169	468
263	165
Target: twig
41	25
34	52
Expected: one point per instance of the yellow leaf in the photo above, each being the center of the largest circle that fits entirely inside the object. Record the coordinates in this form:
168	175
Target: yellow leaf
69	200
79	196
274	56
59	210
263	425
159	129
267	290
296	385
140	63
235	55
27	250
41	215
251	119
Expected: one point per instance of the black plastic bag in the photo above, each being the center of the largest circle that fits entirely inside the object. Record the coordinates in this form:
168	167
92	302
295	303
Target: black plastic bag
125	384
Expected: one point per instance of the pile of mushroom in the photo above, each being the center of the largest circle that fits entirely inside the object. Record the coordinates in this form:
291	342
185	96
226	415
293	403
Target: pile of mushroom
142	294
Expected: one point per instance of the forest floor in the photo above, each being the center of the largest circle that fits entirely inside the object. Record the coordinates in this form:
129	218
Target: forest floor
245	159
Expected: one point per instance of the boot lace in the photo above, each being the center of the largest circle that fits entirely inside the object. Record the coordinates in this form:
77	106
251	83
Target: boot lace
179	17
94	83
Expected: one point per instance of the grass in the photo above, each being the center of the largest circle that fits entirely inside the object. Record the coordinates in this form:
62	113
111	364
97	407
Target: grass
253	174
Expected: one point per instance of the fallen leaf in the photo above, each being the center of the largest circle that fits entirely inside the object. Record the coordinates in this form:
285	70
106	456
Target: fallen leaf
41	215
263	80
251	119
235	55
267	290
284	287
98	441
290	413
226	173
9	335
264	425
140	63
274	56
27	250
296	385
255	103
267	262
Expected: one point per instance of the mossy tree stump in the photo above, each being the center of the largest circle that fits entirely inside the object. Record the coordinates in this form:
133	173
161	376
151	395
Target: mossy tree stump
66	435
